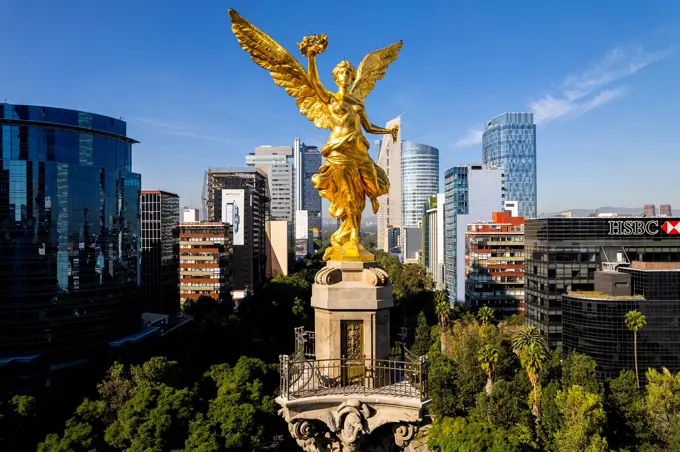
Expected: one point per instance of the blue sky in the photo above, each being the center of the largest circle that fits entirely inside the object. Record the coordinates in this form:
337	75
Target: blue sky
601	77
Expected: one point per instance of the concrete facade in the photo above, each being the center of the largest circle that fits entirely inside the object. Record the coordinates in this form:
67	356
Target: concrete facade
472	194
389	159
277	247
190	215
612	283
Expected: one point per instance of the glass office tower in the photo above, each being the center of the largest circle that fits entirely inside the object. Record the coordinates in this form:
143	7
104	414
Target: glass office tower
509	142
562	255
160	252
307	161
70	242
419	180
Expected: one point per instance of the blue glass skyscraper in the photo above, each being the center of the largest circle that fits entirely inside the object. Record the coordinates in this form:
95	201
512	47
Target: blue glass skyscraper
509	142
419	180
70	242
307	160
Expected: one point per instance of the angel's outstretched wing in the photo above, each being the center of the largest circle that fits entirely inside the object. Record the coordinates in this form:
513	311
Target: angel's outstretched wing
372	69
283	67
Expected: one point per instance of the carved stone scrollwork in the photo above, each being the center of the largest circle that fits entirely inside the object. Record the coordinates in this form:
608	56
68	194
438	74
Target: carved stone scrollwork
350	421
404	433
305	435
375	276
354	426
301	429
328	276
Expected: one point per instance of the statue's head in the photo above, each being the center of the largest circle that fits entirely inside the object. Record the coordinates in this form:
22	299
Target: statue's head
344	74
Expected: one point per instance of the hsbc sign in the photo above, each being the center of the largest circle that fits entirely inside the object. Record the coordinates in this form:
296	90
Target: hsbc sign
643	227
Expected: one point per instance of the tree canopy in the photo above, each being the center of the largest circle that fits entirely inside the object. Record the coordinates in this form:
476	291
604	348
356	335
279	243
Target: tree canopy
494	384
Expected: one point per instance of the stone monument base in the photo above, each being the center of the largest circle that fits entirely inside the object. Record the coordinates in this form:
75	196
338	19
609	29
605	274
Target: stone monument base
340	423
344	394
352	302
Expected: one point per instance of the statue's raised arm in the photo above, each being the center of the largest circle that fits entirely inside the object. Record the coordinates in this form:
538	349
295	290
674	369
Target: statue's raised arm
283	67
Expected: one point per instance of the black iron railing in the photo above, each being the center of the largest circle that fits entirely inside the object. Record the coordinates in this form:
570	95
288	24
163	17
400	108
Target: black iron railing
309	377
305	344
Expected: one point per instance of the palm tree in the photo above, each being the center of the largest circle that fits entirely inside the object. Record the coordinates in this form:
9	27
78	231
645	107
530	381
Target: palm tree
529	344
634	321
485	315
443	310
487	357
525	336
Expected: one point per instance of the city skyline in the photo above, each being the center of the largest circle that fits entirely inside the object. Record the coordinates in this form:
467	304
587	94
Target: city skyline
599	96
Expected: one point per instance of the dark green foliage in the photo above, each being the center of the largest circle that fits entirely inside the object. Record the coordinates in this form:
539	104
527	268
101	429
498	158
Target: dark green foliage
158	406
84	432
578	412
407	280
369	240
422	339
443	388
506	408
552	421
17	417
515	320
242	415
579	369
138	410
155	419
462	435
207	397
625	405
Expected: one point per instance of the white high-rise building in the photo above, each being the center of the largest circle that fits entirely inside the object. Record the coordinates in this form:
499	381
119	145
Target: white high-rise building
276	162
304	234
389	159
433	239
190	215
472	194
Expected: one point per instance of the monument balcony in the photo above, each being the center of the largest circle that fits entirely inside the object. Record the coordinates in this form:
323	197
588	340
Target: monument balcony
353	376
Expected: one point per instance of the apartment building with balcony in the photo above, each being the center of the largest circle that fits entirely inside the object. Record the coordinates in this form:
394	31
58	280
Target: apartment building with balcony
205	259
494	264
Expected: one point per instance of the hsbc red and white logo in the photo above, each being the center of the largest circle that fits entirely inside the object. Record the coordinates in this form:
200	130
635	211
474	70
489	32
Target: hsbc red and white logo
671	227
640	227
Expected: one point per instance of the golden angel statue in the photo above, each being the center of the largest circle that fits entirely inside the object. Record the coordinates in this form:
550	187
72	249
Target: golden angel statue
349	175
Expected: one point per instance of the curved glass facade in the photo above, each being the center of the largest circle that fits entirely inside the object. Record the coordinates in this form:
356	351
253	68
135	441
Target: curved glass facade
69	233
419	180
509	142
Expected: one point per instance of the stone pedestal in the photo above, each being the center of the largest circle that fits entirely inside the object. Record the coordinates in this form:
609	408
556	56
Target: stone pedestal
352	299
347	396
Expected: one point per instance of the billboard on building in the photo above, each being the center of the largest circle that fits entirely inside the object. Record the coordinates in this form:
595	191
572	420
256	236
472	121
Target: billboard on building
232	212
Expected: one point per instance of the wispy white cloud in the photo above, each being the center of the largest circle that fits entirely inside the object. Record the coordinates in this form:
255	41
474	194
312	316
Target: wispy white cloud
580	92
583	91
198	136
161	124
182	130
472	138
